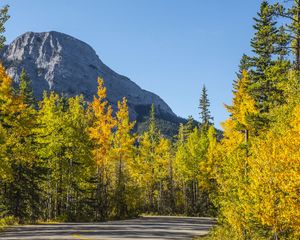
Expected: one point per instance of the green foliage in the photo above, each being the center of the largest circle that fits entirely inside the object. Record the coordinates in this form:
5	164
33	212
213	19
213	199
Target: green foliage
69	160
255	169
193	170
204	108
25	89
268	66
166	123
290	31
63	146
256	179
66	162
7	221
3	19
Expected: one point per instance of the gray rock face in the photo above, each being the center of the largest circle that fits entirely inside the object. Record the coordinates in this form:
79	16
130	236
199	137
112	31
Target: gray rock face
64	64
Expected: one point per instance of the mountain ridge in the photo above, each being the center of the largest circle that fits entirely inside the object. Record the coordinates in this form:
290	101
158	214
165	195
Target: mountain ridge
58	62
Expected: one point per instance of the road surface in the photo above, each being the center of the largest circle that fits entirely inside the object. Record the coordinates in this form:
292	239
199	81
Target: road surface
150	228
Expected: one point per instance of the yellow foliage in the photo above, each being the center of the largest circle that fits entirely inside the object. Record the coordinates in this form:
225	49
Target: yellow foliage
10	104
243	105
209	167
162	159
102	125
123	139
275	179
16	121
4	166
145	160
258	184
5	84
231	176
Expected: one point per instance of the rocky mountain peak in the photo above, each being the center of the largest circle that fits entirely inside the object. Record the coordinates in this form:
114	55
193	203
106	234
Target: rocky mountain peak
58	62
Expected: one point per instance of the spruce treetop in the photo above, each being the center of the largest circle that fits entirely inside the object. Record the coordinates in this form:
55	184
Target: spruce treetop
204	105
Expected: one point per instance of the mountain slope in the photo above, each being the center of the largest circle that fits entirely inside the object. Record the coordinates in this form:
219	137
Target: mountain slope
58	62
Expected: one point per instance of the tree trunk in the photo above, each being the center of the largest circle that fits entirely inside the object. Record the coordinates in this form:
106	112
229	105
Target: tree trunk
246	136
171	188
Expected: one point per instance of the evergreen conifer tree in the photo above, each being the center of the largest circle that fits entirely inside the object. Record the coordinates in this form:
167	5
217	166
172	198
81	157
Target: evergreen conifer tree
204	105
3	19
25	89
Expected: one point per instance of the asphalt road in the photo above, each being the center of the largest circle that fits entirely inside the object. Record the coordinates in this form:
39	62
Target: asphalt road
150	228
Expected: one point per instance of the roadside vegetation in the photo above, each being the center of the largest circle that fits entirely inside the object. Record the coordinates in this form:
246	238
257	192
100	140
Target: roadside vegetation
7	221
69	160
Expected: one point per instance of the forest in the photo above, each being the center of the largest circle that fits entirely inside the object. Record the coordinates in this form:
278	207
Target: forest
65	159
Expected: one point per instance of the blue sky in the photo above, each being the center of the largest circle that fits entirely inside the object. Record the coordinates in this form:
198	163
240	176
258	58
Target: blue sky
169	47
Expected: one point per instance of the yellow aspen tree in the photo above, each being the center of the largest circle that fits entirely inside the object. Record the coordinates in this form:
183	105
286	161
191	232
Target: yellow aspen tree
190	159
5	170
24	162
231	180
77	157
123	155
243	106
6	90
208	171
146	162
10	104
17	120
180	168
258	181
162	171
5	100
232	177
208	166
63	146
50	149
101	134
275	180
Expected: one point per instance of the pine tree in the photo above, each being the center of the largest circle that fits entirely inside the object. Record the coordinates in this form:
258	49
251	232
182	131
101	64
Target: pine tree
269	46
292	29
3	19
25	89
32	168
188	126
264	40
18	120
245	64
5	165
204	108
